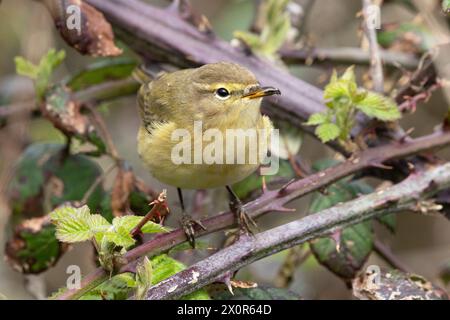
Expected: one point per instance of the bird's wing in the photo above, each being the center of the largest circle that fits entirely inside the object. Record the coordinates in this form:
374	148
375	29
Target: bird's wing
151	109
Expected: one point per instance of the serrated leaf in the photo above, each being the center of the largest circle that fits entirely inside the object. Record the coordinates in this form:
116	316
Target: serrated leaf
72	224
316	119
327	132
337	91
129	222
40	73
379	106
120	236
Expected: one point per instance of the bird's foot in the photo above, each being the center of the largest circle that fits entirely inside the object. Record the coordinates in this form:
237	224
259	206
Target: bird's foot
188	224
245	223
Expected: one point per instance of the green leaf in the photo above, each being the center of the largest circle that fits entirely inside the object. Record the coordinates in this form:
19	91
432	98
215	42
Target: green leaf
354	244
144	273
33	248
26	187
42	72
327	132
120	236
340	90
74	224
118	287
250	39
164	267
101	71
316	119
26	68
77	174
129	222
275	31
349	75
379	106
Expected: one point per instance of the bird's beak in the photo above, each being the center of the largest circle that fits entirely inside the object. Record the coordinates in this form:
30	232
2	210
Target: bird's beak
261	92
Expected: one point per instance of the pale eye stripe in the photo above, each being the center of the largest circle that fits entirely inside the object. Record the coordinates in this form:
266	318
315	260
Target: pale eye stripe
235	87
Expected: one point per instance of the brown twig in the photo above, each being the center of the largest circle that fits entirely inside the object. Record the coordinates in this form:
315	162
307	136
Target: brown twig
376	66
249	249
346	56
158	204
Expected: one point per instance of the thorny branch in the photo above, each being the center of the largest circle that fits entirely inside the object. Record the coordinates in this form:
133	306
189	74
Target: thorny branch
273	200
249	249
348	55
155	34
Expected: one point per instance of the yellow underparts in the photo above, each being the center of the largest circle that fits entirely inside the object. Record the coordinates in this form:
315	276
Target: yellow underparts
156	150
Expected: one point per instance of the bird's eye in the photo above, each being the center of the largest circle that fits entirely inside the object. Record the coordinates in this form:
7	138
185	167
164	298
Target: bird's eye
222	93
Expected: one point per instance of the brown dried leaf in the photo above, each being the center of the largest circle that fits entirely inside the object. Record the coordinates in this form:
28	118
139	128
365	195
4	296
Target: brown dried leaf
64	112
33	247
94	35
123	185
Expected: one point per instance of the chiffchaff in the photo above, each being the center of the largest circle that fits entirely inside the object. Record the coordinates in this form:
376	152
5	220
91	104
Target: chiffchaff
220	97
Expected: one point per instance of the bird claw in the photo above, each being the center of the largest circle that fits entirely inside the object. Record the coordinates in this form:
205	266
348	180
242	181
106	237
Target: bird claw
188	224
245	223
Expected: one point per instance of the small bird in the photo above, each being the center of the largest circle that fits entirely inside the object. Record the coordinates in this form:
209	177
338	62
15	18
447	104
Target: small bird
220	96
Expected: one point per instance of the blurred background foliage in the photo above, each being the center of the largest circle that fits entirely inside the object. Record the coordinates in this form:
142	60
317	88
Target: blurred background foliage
26	29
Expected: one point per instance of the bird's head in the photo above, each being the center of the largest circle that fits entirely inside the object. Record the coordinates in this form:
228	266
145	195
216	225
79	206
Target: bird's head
224	87
215	93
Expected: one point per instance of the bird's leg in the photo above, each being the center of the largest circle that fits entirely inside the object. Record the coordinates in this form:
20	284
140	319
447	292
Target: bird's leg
237	207
187	222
